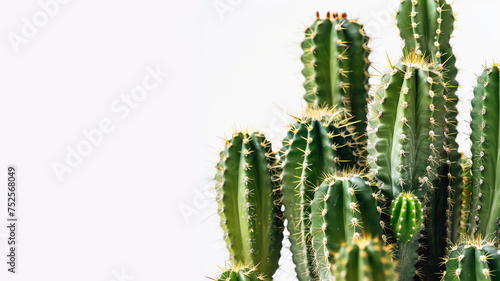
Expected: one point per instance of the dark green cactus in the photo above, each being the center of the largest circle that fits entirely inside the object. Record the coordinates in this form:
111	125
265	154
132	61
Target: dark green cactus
407	217
241	273
365	259
320	142
426	26
471	261
485	213
250	201
336	66
344	208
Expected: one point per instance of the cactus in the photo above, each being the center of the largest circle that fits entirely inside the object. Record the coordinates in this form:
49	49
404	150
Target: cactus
365	259
406	216
473	260
405	145
344	208
320	142
426	27
240	273
335	216
250	201
485	214
406	120
336	66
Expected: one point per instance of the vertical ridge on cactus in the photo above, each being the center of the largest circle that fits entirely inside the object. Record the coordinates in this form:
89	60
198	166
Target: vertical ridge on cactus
485	213
344	209
250	201
319	142
336	66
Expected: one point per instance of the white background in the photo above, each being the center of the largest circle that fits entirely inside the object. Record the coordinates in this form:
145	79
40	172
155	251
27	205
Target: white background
140	206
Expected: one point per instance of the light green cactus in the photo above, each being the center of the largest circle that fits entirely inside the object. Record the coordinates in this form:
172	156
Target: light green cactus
250	201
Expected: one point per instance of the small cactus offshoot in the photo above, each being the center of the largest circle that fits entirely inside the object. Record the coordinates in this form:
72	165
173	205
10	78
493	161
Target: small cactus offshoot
406	217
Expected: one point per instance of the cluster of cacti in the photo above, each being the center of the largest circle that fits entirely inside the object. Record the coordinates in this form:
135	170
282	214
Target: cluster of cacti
372	187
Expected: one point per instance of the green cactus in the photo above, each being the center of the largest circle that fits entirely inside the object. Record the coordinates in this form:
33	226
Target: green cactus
426	26
471	261
344	207
250	201
406	217
320	142
240	273
336	66
365	259
406	120
405	144
485	213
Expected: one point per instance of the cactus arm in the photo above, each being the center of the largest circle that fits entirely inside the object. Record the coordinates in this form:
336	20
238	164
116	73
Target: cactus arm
474	261
296	197
381	132
336	65
249	204
426	26
344	209
485	145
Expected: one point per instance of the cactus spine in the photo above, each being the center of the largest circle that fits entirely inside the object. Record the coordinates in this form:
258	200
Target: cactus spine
473	261
250	202
485	213
336	66
344	208
320	142
365	259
